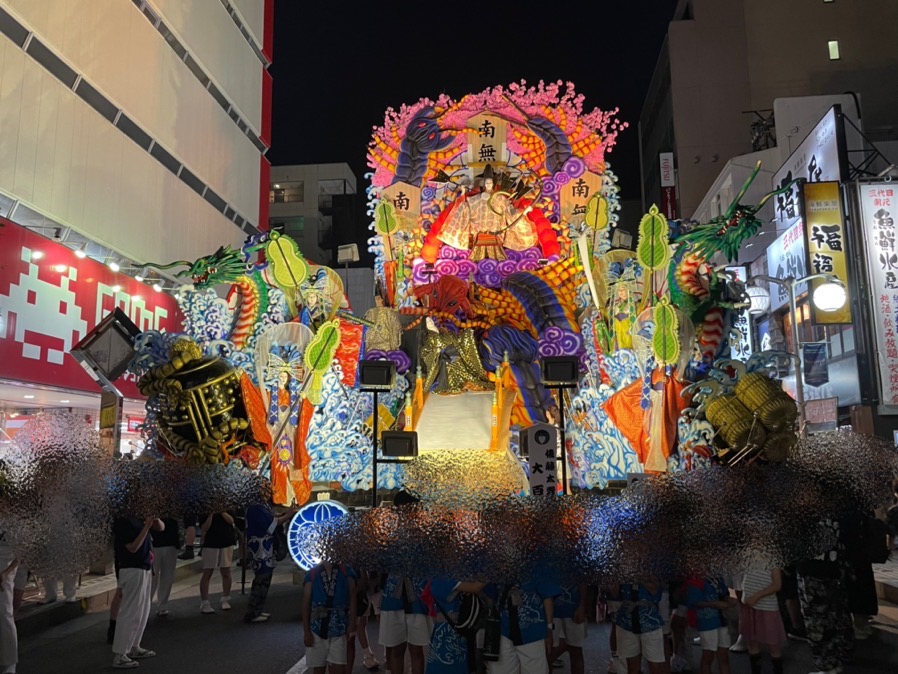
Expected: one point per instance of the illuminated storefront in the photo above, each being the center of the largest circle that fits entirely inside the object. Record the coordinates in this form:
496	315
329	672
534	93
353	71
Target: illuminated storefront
49	299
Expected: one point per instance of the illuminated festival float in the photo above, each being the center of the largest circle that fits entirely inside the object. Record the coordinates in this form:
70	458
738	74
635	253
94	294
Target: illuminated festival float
513	354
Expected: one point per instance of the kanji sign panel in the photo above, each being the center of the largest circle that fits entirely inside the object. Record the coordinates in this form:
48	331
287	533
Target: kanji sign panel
825	236
579	195
541	441
668	185
486	138
741	348
406	200
817	158
787	257
878	222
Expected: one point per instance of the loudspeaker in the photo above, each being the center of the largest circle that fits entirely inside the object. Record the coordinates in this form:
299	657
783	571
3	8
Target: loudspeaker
539	440
560	371
377	375
399	444
106	351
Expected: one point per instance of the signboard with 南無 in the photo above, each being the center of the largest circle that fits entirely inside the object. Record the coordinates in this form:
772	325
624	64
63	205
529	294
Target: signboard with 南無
486	141
582	202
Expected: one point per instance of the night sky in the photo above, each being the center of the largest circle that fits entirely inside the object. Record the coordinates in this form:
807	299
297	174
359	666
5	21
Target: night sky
336	69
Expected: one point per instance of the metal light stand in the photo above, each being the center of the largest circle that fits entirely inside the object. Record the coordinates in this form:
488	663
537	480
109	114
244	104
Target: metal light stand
789	284
243	560
568	379
561	431
371	376
374	452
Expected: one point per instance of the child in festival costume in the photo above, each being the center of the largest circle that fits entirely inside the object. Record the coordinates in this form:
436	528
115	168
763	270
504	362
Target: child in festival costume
570	625
451	651
640	626
404	622
707	599
760	623
526	623
329	616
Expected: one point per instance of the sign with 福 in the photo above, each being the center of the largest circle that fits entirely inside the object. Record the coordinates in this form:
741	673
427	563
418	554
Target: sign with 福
825	238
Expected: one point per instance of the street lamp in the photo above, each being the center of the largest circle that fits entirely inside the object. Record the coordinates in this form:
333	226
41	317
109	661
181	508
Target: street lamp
828	296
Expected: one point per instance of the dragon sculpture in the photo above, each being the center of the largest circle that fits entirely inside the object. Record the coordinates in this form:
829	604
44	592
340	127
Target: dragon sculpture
697	287
531	312
248	297
727	232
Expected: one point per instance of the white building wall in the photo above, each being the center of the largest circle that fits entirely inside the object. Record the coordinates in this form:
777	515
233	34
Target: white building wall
121	54
60	157
252	12
217	44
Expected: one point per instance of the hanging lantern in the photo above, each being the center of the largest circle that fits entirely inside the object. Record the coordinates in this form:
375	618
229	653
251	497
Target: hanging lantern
830	296
759	298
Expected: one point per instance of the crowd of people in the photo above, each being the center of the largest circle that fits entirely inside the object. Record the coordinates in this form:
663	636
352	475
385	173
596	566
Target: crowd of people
452	626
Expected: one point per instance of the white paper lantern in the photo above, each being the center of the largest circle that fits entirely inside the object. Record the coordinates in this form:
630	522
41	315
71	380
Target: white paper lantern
760	299
830	296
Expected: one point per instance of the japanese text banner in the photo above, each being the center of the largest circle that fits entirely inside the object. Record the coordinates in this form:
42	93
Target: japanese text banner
878	223
825	233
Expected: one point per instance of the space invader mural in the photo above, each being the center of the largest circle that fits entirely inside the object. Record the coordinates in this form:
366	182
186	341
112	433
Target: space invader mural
28	305
50	299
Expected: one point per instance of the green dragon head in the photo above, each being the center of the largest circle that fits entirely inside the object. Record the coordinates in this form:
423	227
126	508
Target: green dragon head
225	265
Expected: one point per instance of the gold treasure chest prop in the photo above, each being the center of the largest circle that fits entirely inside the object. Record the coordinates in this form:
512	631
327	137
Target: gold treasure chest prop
201	412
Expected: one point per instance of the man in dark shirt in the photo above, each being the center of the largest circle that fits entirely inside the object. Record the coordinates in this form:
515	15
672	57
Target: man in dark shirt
219	538
133	561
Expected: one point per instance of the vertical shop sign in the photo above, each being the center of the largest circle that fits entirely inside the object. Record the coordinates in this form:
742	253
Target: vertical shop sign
878	222
825	238
742	345
668	185
786	257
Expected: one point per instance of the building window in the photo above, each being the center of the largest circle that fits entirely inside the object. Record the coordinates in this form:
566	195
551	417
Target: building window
289	226
286	193
834	50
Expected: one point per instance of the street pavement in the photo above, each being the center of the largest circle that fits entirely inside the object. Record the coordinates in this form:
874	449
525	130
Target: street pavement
188	642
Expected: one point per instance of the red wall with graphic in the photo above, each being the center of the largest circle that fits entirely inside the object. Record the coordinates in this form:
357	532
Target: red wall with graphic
48	304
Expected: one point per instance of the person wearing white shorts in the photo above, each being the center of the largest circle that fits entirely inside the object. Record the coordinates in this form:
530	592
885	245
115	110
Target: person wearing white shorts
404	623
328	616
324	652
570	626
526	614
19	585
713	640
648	645
399	627
709	598
219	539
640	626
